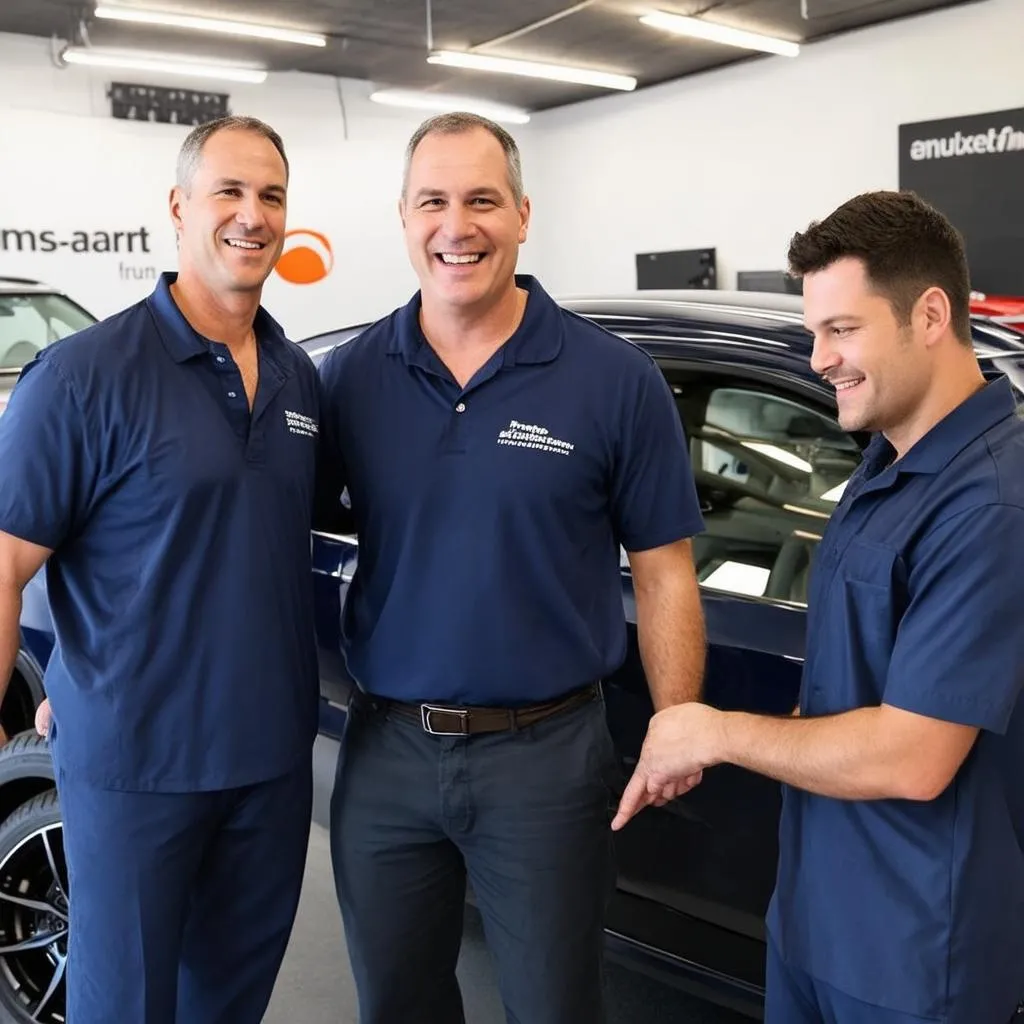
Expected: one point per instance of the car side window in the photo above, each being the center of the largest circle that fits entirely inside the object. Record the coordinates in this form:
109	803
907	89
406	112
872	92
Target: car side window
770	468
28	323
22	334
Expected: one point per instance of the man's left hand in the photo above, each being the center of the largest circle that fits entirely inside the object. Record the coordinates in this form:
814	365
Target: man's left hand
681	742
43	718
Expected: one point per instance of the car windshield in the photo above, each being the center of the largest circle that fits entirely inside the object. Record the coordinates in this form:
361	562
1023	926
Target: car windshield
29	322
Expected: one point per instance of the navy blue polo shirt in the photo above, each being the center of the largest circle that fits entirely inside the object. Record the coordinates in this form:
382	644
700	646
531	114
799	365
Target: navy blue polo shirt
490	517
916	601
181	581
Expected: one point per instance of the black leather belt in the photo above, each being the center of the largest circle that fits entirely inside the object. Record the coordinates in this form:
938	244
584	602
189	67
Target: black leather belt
450	720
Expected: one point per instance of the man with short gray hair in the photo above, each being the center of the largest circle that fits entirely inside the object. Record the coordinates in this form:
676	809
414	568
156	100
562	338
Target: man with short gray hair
148	462
497	450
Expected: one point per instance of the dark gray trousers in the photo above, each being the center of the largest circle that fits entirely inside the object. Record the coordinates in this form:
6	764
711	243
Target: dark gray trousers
524	814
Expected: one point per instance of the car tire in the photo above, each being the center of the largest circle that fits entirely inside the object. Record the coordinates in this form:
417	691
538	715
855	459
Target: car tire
33	905
26	755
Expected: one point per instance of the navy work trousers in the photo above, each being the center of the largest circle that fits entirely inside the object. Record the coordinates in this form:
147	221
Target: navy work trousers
524	814
181	903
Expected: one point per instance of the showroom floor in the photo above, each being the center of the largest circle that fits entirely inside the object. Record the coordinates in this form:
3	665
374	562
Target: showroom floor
315	986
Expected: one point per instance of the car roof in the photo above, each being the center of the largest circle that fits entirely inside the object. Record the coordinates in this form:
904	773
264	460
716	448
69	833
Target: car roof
775	307
653	320
778	312
23	285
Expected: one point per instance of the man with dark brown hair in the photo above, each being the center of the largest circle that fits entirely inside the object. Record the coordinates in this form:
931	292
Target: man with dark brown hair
900	894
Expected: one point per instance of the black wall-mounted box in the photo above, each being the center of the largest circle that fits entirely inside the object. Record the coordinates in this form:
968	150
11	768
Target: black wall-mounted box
166	106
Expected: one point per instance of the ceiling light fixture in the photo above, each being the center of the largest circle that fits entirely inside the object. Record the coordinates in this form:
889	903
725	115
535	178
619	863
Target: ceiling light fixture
168	64
191	21
532	69
697	28
444	103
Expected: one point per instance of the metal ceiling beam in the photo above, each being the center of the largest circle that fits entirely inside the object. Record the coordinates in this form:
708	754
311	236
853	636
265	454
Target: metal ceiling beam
533	26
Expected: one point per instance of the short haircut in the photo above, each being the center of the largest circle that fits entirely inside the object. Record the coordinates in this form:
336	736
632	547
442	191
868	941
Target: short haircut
191	152
456	124
906	246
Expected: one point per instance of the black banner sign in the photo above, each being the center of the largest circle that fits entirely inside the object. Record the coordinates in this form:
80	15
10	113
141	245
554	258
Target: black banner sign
972	168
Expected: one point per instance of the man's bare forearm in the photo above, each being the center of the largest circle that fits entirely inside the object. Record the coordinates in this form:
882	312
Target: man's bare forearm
10	635
670	632
864	754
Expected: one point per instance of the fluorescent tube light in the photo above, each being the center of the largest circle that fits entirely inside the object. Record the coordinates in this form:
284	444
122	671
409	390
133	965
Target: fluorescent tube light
698	28
773	451
443	103
191	21
167	64
531	69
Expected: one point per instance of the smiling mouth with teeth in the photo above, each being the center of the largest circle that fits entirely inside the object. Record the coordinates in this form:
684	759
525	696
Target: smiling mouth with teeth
845	385
242	243
458	259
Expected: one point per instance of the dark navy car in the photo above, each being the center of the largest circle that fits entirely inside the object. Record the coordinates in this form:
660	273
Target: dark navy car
770	462
695	876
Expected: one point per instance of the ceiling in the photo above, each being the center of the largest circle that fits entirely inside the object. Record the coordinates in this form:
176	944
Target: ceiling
386	42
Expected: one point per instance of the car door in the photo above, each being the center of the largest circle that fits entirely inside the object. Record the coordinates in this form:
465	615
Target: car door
334	563
769	462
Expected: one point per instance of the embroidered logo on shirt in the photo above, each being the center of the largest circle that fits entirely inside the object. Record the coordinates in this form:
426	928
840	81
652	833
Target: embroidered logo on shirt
529	435
306	426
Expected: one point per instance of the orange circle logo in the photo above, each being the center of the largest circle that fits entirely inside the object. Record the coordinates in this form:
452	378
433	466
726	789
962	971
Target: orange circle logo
307	257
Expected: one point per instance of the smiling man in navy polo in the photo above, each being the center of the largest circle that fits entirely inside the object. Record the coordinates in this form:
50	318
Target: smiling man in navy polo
162	464
900	893
497	451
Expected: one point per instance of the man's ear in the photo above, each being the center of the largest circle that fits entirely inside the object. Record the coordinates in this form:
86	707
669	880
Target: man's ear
935	313
524	219
175	201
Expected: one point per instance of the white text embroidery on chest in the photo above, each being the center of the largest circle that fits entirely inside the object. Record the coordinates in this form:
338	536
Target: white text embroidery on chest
306	426
528	435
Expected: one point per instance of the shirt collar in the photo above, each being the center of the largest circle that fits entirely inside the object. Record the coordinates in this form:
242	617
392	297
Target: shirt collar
537	339
950	436
181	339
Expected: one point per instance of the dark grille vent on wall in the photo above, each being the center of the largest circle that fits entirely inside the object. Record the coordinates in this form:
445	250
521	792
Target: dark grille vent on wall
165	106
683	268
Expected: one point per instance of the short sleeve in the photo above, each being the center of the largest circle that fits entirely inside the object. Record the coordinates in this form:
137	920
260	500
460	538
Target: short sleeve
47	470
329	514
959	652
654	498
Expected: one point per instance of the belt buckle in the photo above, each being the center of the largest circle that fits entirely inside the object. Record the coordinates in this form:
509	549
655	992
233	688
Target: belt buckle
426	710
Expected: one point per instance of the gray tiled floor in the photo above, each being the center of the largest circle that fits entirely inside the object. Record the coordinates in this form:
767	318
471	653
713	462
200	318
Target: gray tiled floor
315	986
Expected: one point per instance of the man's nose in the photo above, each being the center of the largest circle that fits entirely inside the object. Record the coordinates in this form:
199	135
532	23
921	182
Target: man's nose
823	355
250	213
457	222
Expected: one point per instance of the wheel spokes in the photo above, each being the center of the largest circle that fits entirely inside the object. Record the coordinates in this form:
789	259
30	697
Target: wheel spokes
53	865
40	941
34	906
38	905
58	974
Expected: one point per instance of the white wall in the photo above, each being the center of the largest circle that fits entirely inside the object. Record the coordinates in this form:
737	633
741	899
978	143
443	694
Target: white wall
742	157
66	165
737	159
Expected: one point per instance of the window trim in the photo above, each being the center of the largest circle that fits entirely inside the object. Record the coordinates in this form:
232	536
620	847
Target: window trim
784	386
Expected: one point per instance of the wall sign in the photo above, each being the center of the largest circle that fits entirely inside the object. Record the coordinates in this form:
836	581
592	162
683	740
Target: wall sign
166	106
972	168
